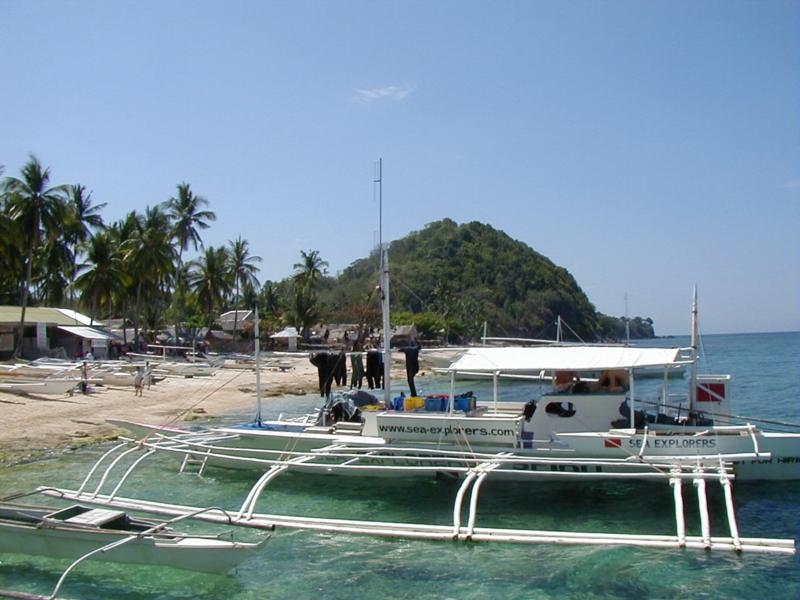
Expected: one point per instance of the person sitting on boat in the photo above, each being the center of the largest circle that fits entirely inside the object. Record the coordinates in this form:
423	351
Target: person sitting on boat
563	381
614	381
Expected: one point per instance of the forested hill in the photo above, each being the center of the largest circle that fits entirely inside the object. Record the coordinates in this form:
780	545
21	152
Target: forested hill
458	276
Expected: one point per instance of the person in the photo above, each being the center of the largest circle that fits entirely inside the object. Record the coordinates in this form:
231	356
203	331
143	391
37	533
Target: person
148	374
84	378
137	382
89	355
563	381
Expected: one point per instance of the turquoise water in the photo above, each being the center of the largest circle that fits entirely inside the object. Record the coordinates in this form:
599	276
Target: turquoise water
766	374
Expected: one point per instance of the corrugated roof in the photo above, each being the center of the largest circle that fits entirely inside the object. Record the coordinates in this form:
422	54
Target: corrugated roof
288	332
41	314
89	333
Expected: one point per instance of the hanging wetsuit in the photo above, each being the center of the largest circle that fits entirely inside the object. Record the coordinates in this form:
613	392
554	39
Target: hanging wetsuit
412	367
320	361
340	368
379	373
373	369
324	363
357	365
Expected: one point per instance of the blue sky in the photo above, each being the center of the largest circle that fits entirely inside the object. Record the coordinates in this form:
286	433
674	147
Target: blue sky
644	146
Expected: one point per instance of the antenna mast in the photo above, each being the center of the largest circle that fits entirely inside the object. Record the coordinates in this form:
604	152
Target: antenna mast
384	287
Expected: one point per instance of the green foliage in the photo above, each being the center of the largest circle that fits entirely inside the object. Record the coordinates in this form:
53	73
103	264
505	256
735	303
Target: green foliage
470	273
447	279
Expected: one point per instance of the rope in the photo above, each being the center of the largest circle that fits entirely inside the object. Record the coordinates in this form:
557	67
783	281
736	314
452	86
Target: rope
191	407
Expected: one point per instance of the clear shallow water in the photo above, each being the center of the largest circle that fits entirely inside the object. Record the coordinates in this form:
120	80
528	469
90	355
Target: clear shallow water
766	370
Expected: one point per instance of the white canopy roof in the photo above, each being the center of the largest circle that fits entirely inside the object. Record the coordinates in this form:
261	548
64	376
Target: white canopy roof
289	332
88	332
564	358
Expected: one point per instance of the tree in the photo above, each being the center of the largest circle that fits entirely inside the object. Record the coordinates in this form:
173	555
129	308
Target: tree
242	269
83	217
37	210
104	276
151	257
270	298
188	218
211	281
311	269
302	309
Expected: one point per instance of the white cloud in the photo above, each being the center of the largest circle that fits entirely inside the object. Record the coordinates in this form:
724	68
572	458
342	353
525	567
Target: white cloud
389	92
792	185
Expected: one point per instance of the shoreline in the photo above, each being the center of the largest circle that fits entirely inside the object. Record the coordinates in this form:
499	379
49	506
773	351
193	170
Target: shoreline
36	425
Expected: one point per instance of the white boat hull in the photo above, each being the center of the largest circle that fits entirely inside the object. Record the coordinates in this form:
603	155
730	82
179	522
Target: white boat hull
244	448
54	387
209	555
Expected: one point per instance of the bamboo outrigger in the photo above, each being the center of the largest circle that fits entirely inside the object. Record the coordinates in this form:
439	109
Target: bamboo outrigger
101	488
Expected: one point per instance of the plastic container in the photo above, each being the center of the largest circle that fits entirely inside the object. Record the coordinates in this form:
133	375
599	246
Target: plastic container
434	404
467	404
413	403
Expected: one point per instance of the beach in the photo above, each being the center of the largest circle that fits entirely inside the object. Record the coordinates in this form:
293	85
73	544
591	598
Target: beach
33	425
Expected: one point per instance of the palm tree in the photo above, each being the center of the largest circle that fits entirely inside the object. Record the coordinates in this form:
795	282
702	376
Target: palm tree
34	207
12	264
83	218
310	269
187	219
105	276
151	257
302	309
270	298
57	270
211	280
124	234
242	269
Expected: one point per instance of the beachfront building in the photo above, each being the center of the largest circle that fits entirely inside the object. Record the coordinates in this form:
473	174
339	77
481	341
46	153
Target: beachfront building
288	336
59	332
239	317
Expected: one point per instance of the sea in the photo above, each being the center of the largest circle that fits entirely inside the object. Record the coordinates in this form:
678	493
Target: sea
296	564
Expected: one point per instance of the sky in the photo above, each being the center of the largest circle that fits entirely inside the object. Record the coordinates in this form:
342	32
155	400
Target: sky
644	146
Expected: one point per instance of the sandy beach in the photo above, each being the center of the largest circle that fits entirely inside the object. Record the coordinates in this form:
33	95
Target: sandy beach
33	425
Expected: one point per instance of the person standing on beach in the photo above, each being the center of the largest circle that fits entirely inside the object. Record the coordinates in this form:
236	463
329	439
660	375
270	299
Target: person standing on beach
148	374
137	382
84	378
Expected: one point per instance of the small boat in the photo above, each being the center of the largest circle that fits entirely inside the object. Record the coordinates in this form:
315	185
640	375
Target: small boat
78	532
49	387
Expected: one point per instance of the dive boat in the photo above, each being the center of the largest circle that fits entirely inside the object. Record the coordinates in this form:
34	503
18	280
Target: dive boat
592	412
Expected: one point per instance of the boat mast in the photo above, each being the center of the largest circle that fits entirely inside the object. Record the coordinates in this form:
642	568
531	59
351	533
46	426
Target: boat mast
258	370
384	287
693	367
627	323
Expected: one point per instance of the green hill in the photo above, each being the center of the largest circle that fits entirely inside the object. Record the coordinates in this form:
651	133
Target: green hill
455	277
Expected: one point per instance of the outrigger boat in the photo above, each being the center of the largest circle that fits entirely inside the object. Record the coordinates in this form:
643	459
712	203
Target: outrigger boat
575	433
592	412
111	535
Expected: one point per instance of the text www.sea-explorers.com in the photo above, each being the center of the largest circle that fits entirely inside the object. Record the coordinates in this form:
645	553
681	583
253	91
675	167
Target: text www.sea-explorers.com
449	430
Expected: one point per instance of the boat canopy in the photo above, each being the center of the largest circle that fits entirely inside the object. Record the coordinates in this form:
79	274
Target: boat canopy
565	358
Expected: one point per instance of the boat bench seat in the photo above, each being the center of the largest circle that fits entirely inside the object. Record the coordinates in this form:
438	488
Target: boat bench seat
96	517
